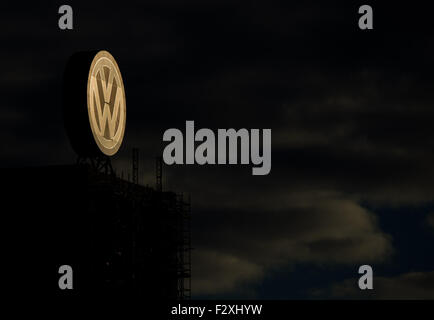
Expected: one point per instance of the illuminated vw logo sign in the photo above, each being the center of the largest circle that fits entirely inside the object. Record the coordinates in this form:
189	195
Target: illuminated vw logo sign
106	103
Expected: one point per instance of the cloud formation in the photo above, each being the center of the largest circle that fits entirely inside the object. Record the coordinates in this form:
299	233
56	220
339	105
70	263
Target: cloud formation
318	229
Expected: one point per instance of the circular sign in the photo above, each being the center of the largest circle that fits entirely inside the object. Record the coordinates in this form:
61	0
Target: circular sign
94	107
106	103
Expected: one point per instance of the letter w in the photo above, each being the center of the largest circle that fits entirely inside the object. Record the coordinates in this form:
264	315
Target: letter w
105	115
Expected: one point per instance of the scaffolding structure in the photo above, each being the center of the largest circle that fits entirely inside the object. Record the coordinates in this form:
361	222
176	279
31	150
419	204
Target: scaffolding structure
184	248
149	232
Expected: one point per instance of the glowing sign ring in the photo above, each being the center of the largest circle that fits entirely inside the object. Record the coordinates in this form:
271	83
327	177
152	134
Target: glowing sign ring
106	103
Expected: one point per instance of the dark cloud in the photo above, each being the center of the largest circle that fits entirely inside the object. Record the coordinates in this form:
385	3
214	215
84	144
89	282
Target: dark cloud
217	272
318	228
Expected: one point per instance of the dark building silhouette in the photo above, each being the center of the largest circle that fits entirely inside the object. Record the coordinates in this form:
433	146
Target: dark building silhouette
118	236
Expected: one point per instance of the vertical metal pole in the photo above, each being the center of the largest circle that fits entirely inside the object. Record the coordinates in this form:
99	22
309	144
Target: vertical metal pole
159	174
135	165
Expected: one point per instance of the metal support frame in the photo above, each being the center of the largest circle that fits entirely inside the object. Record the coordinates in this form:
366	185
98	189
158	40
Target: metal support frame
101	164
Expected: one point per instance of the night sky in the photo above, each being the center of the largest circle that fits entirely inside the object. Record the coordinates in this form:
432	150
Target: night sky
351	113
